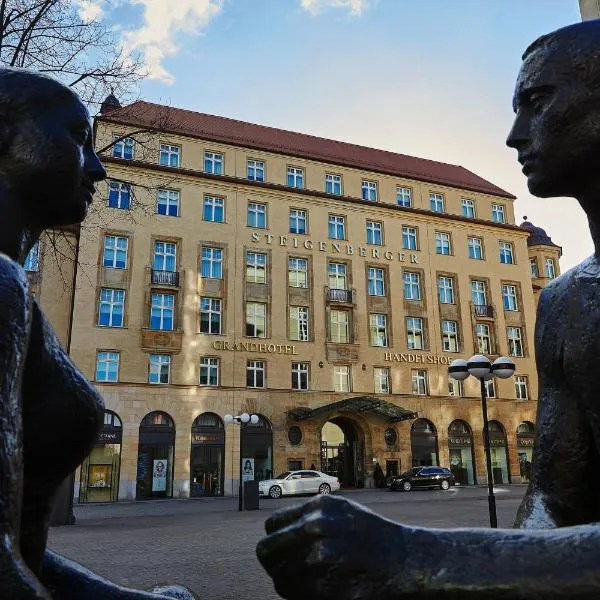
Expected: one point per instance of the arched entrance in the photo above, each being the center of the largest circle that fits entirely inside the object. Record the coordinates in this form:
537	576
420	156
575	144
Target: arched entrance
342	451
525	440
424	444
499	453
207	456
257	450
462	457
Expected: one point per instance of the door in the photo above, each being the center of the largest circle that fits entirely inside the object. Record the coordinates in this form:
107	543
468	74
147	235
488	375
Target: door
310	482
422	478
293	484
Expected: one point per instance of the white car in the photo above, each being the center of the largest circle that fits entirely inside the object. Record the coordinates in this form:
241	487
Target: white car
298	482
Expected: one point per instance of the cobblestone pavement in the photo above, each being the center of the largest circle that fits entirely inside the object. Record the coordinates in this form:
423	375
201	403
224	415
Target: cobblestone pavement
207	545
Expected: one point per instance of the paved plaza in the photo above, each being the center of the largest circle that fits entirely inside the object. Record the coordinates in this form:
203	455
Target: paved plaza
207	545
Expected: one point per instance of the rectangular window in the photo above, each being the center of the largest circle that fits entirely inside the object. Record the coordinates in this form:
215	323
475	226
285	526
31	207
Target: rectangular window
490	388
337	276
378	330
107	366
169	155
333	184
339	326
210	315
212	262
374	233
214	209
256	267
412	286
376	282
300	376
165	256
115	252
381	376
256	170
468	208
298	272
414	333
32	262
409	238
160	368
442	243
449	336
403	196
119	195
515	341
299	323
478	293
213	163
498	213
111	308
419	382
446	289
509	297
162	312
255	374
257	215
455	388
298	221
209	371
369	190
549	268
436	202
484	340
123	148
167	203
475	248
521	388
535	272
341	378
295	177
506	253
337	227
256	319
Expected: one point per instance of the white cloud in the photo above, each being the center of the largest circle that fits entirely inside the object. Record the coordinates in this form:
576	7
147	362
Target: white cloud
355	7
89	10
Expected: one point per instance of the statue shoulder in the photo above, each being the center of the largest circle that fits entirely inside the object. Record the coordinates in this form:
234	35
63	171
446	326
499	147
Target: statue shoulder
14	284
555	296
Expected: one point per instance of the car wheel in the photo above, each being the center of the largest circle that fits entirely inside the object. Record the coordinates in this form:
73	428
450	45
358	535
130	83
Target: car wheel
275	492
445	485
324	489
406	486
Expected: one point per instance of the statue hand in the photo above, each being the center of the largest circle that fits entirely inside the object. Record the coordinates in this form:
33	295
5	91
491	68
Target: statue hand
331	548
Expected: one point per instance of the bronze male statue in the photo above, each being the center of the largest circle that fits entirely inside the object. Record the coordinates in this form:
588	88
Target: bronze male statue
49	413
335	549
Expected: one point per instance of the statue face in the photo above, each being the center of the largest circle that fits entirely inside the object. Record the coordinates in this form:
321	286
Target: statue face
556	130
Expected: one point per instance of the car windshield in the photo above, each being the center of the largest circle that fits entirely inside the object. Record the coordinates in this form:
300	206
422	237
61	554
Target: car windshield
283	475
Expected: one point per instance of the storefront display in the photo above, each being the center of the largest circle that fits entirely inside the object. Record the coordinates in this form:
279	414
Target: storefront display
499	453
423	438
257	446
460	447
525	441
207	456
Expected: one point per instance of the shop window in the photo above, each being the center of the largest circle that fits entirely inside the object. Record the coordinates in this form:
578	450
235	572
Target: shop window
207	459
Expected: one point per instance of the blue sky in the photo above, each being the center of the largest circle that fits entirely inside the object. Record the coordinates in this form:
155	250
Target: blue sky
431	78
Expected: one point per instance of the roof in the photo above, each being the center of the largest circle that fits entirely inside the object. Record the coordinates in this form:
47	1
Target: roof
260	137
537	235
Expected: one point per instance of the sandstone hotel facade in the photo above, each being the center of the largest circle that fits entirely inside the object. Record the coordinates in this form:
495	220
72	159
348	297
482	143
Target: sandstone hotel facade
228	267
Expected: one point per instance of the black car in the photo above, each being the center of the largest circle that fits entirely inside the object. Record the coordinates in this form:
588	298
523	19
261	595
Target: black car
423	477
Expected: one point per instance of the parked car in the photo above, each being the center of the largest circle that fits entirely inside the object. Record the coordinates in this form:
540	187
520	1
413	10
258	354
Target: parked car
423	477
298	482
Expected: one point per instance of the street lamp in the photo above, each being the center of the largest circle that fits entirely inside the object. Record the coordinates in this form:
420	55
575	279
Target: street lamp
241	420
481	368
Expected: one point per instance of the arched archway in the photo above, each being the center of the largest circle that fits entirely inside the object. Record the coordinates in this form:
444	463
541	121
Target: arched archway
257	450
525	442
462	456
155	456
342	451
499	453
424	444
207	458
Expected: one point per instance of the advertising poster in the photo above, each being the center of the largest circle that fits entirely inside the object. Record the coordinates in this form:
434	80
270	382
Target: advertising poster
98	476
247	469
159	476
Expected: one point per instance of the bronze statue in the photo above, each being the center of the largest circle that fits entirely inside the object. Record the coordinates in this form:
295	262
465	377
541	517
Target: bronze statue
331	548
50	414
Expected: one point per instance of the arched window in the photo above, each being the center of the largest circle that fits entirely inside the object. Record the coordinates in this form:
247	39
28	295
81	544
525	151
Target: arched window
526	427
157	419
207	456
424	444
111	419
462	457
208	419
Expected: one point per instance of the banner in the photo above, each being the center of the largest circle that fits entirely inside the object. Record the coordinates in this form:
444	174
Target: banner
159	475
247	469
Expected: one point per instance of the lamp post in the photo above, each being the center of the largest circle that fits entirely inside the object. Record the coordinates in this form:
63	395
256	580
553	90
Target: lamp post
481	368
241	420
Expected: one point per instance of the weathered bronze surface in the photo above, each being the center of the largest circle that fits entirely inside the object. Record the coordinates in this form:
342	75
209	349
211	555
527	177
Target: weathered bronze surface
332	548
49	413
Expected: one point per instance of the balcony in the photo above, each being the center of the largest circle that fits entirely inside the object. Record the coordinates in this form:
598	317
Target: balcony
340	296
170	278
483	310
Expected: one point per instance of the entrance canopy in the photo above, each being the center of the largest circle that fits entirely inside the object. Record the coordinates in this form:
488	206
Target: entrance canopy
388	411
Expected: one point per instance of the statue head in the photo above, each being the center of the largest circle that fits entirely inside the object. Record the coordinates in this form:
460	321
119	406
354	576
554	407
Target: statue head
556	130
47	157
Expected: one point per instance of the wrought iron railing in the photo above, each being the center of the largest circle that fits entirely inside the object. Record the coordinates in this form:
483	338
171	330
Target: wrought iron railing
165	278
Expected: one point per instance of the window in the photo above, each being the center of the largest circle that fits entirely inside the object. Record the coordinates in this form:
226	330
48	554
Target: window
468	208
475	248
297	221
403	196
123	148
442	243
167	203
449	336
509	297
498	213
160	368
212	262
381	376
298	272
436	201
256	170
412	286
506	253
490	388
111	308
333	184
257	215
414	333
209	371
446	289
295	177
549	268
369	190
210	315
255	374
376	282
455	388
337	276
341	378
521	389
419	382
256	267
169	155
162	312
535	272
300	376
214	209
484	340
337	227
256	319
119	195
339	326
299	323
115	252
515	341
165	256
107	366
213	163
478	293
374	233
32	262
409	238
378	330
